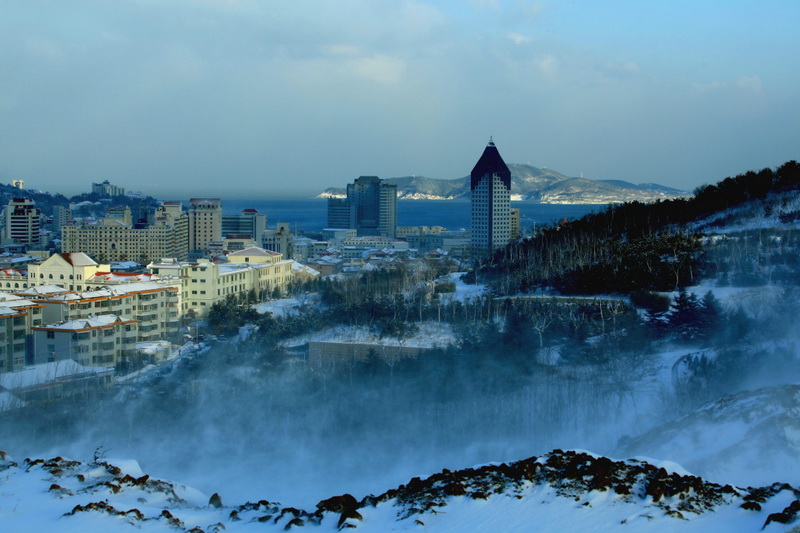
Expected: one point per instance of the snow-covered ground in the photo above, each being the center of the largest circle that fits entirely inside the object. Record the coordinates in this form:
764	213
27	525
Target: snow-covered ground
561	491
428	335
288	306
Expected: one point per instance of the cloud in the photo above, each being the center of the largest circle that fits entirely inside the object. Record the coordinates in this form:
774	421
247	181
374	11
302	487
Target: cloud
379	68
548	65
749	83
43	48
518	39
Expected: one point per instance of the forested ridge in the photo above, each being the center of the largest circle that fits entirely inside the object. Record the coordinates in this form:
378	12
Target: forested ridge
631	246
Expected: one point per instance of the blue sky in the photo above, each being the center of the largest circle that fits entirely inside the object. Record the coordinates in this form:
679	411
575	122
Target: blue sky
268	97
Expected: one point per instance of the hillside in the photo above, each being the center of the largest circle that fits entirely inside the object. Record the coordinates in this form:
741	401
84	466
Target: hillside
636	246
532	184
748	437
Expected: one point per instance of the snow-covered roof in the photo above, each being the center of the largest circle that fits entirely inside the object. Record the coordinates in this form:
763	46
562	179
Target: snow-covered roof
111	290
6	311
124	264
35	375
41	290
152	347
253	251
13	301
80	324
121	276
299	267
78	259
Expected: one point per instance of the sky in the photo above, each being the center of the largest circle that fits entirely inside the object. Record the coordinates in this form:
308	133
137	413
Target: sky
233	97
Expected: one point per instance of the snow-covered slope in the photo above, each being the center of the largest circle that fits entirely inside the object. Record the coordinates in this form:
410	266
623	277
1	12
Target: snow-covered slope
748	437
560	491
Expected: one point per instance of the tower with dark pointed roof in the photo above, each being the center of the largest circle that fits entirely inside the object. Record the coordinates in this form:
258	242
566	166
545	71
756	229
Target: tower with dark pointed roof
490	183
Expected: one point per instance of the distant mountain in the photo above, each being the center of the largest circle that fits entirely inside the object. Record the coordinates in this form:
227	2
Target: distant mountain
532	184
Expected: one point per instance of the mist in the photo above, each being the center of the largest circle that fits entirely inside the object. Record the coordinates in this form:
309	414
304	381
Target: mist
226	424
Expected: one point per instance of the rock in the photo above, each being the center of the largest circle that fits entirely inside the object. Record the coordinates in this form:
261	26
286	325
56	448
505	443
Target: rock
215	501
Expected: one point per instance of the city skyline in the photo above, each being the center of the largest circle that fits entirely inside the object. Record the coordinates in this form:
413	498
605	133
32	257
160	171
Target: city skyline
249	97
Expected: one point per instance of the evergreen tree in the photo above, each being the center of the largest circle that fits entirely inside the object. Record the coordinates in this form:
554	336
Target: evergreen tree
684	318
711	316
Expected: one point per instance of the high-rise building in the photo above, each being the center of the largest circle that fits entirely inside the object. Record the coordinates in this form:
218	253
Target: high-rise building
22	221
370	208
61	216
249	222
339	214
490	183
516	227
205	225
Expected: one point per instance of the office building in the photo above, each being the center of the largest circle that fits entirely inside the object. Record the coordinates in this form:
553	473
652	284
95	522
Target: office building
490	183
370	208
249	222
339	214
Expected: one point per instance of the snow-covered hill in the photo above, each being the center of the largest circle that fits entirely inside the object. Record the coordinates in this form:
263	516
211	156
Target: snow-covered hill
559	491
748	437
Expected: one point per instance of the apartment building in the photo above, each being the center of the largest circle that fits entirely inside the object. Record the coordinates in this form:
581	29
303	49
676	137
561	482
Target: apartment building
12	339
253	271
100	341
17	316
154	306
270	270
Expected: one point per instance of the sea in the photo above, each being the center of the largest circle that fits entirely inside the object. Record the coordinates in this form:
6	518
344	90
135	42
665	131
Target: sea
310	215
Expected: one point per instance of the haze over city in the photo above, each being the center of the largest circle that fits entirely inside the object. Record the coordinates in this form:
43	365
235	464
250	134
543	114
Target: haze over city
263	99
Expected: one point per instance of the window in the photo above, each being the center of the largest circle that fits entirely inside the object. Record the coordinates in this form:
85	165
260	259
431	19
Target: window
51	334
